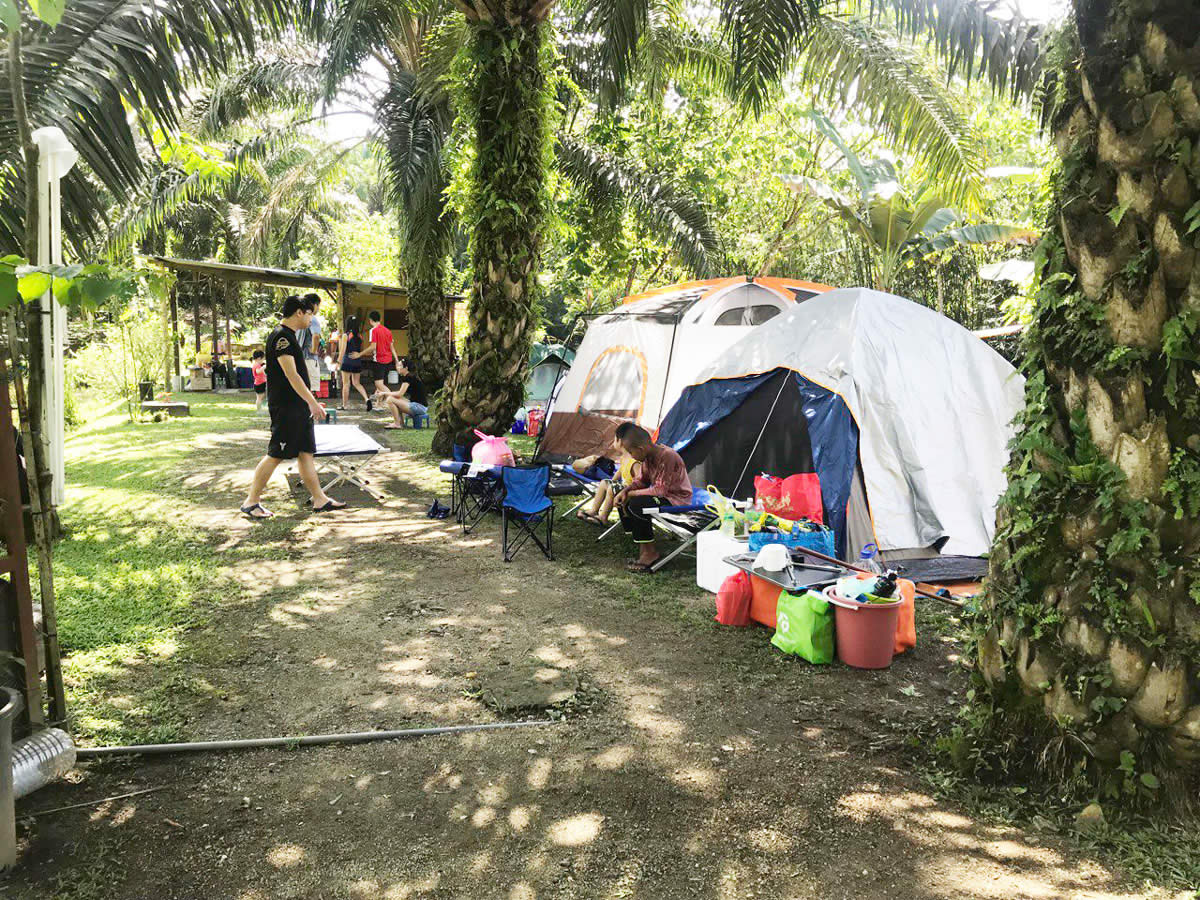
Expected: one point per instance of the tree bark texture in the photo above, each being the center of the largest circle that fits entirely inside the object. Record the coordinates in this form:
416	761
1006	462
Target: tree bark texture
1088	644
426	239
510	103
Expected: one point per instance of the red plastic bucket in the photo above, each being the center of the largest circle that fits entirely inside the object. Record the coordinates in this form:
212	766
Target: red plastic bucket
866	632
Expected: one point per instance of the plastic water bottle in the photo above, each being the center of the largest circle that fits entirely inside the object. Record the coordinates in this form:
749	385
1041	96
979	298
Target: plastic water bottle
728	522
868	559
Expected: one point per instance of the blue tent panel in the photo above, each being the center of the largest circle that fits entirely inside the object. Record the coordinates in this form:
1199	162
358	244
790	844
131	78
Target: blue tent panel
832	432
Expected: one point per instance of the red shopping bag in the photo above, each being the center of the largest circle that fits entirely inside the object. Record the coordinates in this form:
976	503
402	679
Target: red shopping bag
767	491
794	497
801	497
733	600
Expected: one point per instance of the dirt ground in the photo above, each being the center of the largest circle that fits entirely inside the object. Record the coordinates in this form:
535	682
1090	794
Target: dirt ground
684	760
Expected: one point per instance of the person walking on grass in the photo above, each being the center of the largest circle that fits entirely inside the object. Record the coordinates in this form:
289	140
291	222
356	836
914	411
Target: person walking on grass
258	365
409	398
350	364
379	343
663	481
293	409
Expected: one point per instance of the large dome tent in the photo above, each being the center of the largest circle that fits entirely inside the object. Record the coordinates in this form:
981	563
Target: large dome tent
634	361
904	415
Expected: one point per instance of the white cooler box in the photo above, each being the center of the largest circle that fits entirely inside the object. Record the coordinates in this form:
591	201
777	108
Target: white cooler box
711	548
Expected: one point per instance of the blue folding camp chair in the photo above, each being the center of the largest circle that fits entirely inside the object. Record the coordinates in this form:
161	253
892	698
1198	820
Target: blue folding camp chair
527	504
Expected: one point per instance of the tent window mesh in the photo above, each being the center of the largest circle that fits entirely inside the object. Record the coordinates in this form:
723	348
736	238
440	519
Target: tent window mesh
747	304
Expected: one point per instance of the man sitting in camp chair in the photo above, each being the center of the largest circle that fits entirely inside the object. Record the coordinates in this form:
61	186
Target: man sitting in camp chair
663	481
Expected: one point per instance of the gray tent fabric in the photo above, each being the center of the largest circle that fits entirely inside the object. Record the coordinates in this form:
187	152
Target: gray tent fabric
934	407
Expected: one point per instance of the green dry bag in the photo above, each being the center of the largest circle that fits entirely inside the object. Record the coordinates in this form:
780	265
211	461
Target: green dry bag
804	626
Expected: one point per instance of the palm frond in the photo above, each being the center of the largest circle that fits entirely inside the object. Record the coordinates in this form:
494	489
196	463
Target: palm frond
669	212
104	58
359	30
615	29
255	88
765	39
303	191
853	62
673	49
413	132
988	38
166	194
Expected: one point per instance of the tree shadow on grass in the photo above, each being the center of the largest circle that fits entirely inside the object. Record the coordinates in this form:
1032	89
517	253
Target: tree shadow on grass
714	768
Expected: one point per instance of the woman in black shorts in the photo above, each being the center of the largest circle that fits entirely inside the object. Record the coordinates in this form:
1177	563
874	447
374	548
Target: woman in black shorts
350	364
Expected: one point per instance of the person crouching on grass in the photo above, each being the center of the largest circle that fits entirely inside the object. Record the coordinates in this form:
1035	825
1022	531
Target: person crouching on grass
663	481
293	409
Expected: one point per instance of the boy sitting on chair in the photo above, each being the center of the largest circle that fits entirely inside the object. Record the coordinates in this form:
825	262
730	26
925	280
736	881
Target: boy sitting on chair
663	481
409	398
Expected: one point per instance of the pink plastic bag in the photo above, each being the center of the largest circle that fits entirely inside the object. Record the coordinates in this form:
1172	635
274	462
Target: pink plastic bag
492	451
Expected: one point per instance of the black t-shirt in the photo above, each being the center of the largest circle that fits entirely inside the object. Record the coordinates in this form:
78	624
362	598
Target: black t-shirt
416	390
280	393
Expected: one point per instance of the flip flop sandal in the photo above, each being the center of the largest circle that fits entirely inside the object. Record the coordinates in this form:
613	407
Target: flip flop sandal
638	568
329	506
249	511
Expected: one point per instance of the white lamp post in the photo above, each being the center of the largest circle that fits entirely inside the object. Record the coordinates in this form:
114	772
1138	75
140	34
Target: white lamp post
56	157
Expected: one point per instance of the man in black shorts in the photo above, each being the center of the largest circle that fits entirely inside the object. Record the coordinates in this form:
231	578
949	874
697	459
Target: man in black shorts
293	409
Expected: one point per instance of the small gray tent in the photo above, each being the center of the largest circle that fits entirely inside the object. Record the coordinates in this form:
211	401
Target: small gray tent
548	365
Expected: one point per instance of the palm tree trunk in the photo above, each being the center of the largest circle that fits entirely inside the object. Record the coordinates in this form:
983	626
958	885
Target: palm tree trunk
511	104
425	244
1089	637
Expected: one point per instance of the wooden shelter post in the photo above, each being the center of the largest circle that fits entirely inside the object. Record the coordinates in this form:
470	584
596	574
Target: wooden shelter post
175	325
16	562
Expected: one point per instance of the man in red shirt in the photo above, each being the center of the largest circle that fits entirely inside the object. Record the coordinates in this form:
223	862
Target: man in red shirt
663	481
380	340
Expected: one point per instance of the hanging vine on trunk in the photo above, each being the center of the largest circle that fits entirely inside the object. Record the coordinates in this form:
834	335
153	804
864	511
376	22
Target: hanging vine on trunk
1088	642
506	99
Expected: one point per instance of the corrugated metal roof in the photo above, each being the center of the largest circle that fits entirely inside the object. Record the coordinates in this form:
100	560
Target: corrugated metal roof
280	277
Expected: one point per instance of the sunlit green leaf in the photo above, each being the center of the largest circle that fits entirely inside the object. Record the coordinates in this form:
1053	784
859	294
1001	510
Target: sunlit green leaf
10	16
49	11
33	285
8	289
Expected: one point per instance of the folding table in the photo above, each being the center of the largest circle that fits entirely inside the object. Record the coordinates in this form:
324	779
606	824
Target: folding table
346	451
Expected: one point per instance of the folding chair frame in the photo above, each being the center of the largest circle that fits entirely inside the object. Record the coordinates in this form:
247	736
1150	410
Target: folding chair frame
477	496
588	486
527	526
686	536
